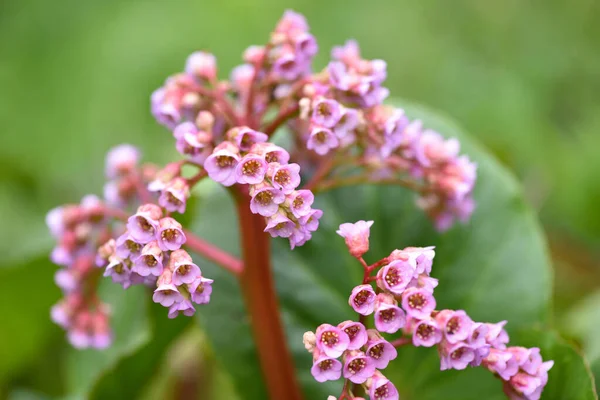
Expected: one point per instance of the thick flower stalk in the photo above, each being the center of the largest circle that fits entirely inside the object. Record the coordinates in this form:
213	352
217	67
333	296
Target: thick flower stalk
340	133
403	301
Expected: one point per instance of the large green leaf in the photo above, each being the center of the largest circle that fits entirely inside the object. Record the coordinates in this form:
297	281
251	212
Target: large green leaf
496	268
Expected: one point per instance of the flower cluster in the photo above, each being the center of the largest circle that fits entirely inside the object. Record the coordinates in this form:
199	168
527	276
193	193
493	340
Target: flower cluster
80	229
403	300
247	159
96	237
149	252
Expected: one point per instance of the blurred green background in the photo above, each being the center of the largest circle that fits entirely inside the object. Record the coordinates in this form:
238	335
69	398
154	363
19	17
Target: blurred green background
523	77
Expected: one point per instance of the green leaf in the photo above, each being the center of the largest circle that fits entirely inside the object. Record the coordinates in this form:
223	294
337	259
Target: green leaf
496	268
142	334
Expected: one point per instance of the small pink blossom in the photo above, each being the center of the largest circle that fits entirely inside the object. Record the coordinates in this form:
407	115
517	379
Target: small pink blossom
389	318
362	299
325	368
356	236
379	349
395	276
357	366
170	234
380	388
331	340
357	333
418	303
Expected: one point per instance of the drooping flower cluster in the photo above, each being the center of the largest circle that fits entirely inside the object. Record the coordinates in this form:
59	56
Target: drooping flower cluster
403	300
80	229
247	159
96	237
149	252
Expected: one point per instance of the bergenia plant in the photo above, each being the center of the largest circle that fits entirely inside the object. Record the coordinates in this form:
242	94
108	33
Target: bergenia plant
338	133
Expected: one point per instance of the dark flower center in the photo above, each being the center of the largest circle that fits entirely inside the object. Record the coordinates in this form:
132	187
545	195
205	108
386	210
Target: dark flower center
330	338
376	351
362	297
225	161
357	365
453	325
325	365
264	197
424	331
282	177
250	167
417	301
352	331
388	315
150	261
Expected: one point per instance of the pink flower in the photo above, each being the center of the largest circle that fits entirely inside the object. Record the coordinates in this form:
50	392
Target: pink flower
184	270
362	299
300	202
174	196
279	225
326	113
388	317
395	276
418	303
170	234
331	340
150	260
127	247
357	366
456	356
356	236
202	65
426	333
325	368
321	140
166	293
221	165
501	362
143	225
251	169
380	388
285	177
379	349
184	307
121	160
266	200
245	137
201	290
456	325
356	332
496	335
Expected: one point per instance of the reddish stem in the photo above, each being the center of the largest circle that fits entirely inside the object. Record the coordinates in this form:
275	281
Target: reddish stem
213	253
261	301
283	116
